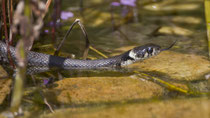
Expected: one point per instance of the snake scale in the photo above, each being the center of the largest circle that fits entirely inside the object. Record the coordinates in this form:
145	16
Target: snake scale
40	62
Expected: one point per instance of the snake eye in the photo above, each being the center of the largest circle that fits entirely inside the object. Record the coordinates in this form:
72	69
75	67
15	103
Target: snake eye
150	50
141	53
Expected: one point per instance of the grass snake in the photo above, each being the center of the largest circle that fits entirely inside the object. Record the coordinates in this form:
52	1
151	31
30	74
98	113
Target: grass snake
40	62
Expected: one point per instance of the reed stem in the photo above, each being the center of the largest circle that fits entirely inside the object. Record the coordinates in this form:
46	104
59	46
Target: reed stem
207	14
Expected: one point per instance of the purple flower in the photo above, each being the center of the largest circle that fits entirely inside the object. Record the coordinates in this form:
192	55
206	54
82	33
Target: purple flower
46	31
128	2
115	4
66	15
46	81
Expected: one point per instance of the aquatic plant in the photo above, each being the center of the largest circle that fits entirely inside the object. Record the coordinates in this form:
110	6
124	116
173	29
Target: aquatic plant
29	31
207	13
28	28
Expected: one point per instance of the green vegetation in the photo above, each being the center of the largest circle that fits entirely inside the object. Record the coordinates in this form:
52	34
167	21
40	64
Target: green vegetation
207	14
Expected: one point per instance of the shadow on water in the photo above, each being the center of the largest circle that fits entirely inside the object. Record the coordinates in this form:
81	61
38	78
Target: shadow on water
102	105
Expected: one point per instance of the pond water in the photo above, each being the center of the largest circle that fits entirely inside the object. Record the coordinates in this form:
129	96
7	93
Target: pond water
179	79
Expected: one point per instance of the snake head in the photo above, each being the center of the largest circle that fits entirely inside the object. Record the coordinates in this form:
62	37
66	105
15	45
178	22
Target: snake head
145	51
142	52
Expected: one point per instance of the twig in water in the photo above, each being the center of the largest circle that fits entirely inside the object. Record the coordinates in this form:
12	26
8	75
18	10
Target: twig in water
98	52
64	38
87	45
5	20
6	33
10	15
47	5
68	32
49	106
55	17
168	85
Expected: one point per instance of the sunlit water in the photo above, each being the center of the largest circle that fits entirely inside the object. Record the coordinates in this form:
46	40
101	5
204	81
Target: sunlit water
121	93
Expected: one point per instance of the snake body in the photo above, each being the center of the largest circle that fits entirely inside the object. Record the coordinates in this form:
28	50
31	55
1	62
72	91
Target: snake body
40	62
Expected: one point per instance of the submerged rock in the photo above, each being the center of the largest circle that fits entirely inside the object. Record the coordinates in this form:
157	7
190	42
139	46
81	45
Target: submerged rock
5	83
99	90
180	108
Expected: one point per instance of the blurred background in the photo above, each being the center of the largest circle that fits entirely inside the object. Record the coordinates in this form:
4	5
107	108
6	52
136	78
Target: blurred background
174	84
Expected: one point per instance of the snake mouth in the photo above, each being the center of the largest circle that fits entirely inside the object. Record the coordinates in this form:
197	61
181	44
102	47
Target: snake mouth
169	46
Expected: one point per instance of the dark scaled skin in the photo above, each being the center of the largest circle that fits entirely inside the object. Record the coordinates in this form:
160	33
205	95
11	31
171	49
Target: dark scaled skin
39	62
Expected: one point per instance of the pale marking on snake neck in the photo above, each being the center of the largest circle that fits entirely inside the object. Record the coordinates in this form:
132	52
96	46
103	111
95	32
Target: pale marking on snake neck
132	54
128	62
153	52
